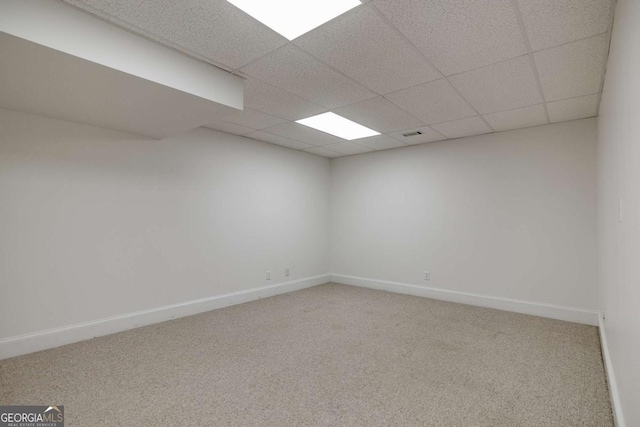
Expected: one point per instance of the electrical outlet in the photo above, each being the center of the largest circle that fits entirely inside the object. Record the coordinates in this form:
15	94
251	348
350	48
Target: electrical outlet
287	272
268	275
427	275
620	209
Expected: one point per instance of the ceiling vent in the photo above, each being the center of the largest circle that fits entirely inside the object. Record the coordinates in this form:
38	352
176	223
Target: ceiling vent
412	133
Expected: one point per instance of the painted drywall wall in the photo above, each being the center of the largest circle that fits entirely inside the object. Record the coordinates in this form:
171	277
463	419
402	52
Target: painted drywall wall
96	223
619	209
508	215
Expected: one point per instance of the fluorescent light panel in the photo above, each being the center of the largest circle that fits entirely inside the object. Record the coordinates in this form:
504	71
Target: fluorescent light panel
336	125
292	18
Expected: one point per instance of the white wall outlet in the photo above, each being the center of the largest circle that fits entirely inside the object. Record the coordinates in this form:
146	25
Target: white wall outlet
268	275
287	272
427	275
620	209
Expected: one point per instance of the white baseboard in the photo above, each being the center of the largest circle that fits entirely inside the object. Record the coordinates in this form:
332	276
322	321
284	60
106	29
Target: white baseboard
29	343
571	314
611	378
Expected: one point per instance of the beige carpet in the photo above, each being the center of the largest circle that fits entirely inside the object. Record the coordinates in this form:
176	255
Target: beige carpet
331	355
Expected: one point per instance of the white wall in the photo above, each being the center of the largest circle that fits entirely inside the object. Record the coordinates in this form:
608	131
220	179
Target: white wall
619	184
508	215
96	223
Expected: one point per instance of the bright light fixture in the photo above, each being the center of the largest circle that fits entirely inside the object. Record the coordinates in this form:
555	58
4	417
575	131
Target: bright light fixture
292	18
338	126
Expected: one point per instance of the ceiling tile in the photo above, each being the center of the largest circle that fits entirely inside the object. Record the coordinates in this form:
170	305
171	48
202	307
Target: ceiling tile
303	133
275	101
348	148
519	118
278	140
432	102
253	119
458	35
380	48
297	72
228	127
572	109
572	70
324	152
380	142
212	29
498	87
428	135
554	22
464	127
379	114
364	47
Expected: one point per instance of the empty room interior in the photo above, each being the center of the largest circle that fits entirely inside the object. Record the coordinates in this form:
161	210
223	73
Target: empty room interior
320	213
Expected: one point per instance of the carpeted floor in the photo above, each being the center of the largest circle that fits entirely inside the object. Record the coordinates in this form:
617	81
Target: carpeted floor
330	355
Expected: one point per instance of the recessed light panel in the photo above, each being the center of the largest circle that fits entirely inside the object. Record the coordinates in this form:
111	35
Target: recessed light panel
336	125
292	18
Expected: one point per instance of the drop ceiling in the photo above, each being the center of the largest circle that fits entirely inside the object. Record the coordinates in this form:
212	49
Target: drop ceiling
446	68
48	70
